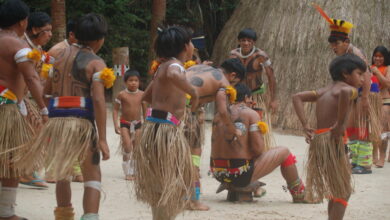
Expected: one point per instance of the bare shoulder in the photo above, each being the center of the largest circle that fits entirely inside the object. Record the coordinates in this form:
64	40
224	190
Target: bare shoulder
234	53
17	43
261	53
96	66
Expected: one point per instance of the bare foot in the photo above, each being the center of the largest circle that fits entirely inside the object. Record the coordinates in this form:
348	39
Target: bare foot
197	206
78	178
50	181
129	177
380	163
260	192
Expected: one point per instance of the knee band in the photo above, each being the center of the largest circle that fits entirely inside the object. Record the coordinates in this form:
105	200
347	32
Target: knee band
290	160
196	160
93	184
7	201
341	201
90	216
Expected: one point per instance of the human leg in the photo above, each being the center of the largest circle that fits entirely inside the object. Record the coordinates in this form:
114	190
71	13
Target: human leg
195	203
336	208
127	149
64	209
92	187
8	198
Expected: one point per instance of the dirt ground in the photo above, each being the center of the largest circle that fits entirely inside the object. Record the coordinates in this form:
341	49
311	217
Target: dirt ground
371	199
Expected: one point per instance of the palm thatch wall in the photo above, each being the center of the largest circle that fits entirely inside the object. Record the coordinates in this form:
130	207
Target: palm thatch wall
294	35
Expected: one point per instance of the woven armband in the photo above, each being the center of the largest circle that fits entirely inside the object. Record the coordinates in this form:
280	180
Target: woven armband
118	101
106	76
26	54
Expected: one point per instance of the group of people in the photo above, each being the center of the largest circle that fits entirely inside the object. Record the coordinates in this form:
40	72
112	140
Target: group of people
63	129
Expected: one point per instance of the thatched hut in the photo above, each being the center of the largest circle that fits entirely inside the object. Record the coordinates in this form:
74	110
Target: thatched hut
294	35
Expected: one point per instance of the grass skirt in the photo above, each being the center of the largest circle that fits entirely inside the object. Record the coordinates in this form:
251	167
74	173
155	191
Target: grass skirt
375	113
328	169
269	141
61	142
194	129
14	133
163	162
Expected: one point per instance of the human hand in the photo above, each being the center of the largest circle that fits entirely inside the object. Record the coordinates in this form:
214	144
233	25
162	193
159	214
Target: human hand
117	130
337	131
309	133
45	118
194	103
103	146
375	70
207	62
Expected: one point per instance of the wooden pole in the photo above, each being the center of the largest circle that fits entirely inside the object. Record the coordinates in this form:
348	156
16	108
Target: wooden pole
58	15
120	60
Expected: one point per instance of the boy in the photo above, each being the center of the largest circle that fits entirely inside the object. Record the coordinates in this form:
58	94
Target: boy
327	152
130	123
77	104
163	159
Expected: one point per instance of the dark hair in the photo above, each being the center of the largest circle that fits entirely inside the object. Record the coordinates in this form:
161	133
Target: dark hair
385	53
171	41
129	73
91	27
333	38
242	92
247	33
38	19
11	12
234	65
70	27
345	64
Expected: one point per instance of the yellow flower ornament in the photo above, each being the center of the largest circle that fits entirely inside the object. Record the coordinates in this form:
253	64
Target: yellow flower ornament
34	55
232	93
263	127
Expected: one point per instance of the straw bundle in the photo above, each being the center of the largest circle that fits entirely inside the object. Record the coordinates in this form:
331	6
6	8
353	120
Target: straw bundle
194	129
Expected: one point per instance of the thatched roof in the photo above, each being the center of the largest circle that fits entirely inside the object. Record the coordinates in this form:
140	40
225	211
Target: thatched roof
294	35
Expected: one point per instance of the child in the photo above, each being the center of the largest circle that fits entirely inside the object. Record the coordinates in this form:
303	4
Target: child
165	172
333	104
130	122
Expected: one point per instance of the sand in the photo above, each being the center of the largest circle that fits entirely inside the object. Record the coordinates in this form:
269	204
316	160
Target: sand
371	199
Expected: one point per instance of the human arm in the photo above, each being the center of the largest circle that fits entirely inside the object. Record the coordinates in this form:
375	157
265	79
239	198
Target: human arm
222	109
178	78
144	109
147	95
273	105
384	80
256	139
298	100
99	106
115	111
366	79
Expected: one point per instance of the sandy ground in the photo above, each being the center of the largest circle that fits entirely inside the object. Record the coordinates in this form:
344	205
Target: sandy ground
371	199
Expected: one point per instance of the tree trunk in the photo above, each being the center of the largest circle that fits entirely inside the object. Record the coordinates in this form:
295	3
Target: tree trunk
158	16
295	37
58	16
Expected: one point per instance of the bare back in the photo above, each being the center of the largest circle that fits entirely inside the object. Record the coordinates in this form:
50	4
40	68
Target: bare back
165	95
10	77
206	80
247	146
131	105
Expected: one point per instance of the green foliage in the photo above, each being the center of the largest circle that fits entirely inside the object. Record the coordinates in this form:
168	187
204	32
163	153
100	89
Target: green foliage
129	21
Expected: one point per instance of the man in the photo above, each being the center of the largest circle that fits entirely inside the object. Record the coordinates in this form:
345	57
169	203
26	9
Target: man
256	62
212	84
56	51
77	104
365	116
17	72
60	47
240	162
38	34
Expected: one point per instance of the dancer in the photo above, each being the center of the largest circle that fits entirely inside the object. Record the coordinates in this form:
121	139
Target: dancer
328	168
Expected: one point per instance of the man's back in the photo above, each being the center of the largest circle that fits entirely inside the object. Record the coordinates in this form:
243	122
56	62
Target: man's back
207	80
247	146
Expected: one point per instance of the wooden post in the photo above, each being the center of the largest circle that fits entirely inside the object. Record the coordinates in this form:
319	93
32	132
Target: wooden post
120	60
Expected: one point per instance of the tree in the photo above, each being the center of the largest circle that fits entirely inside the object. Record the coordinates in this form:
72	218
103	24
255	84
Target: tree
159	8
295	37
58	16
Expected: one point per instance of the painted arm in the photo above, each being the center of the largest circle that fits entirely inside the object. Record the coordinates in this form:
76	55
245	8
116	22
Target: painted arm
179	79
256	139
222	109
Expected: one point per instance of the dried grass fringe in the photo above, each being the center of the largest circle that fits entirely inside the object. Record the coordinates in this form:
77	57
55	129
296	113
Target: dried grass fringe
61	142
34	118
269	141
328	169
194	131
164	167
375	114
14	133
